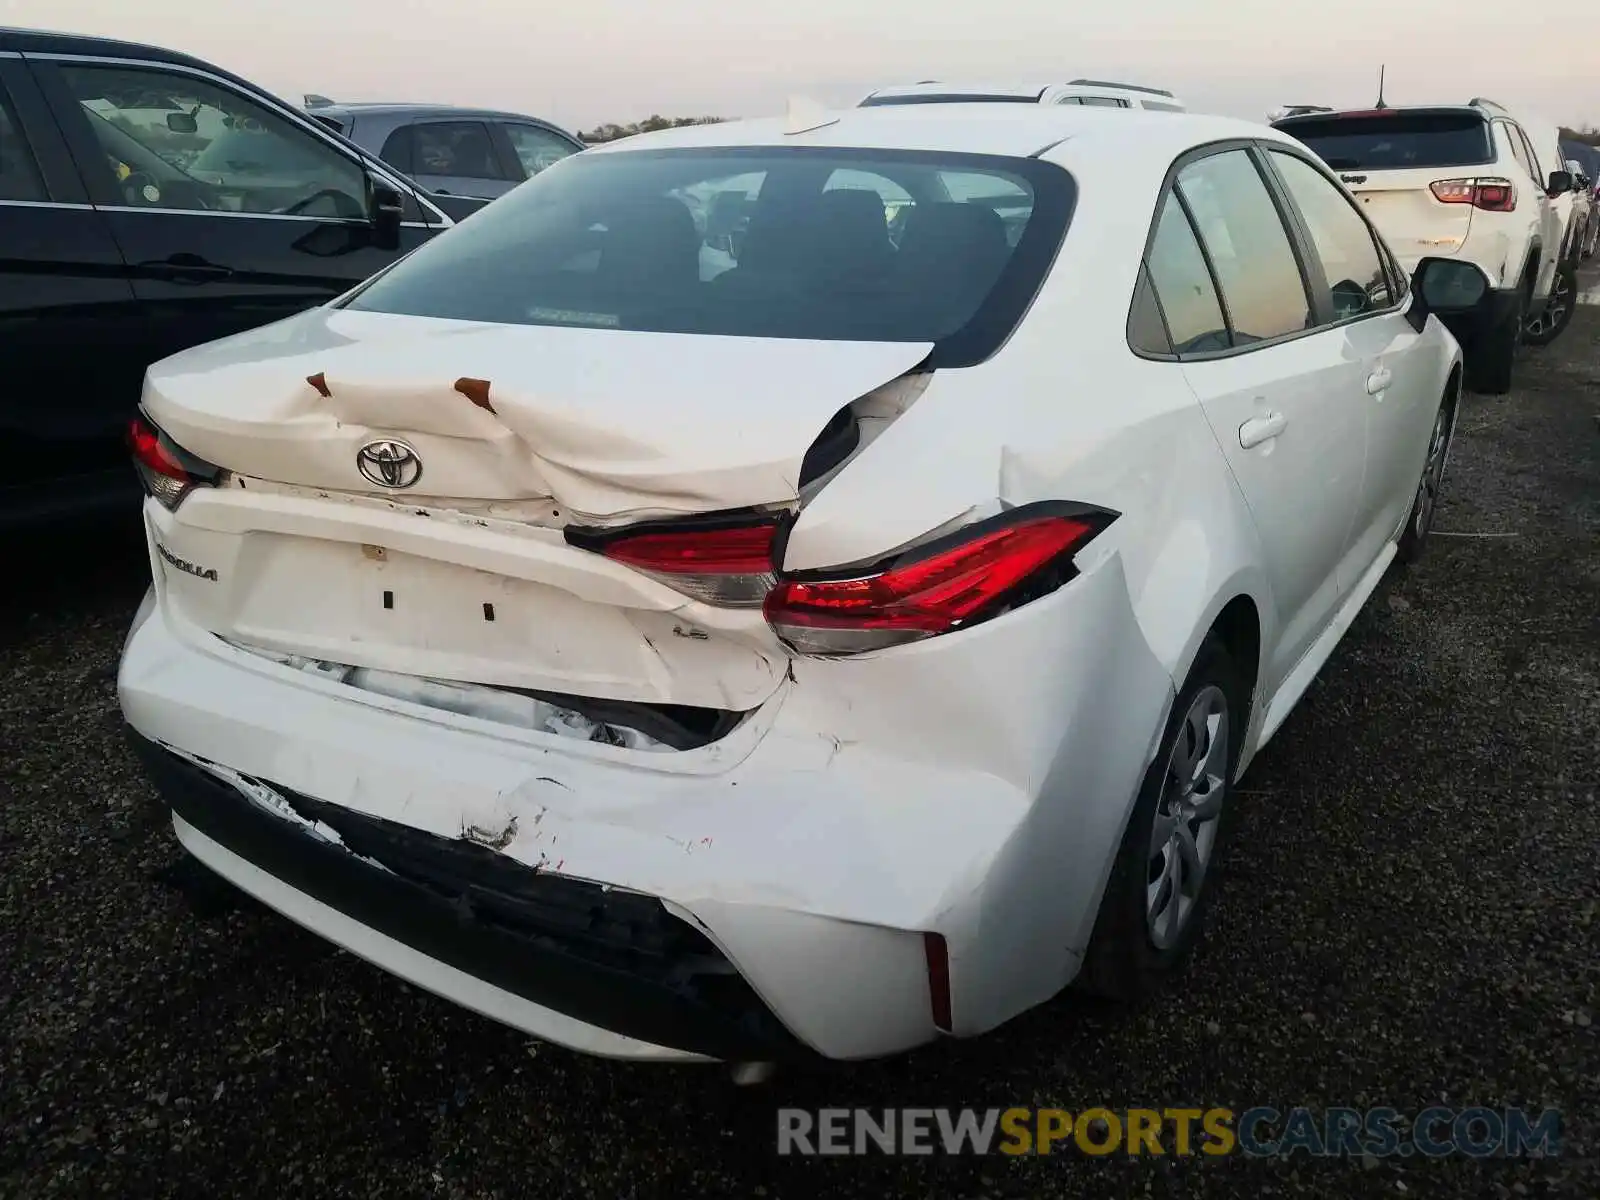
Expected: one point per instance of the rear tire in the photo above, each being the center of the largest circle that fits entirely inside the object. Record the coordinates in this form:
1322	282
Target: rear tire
1138	940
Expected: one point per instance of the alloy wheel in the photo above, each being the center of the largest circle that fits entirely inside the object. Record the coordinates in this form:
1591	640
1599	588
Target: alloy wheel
1183	833
1555	312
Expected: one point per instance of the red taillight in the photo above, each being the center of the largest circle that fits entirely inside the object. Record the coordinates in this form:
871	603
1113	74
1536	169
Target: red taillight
729	565
949	584
946	586
1492	195
167	472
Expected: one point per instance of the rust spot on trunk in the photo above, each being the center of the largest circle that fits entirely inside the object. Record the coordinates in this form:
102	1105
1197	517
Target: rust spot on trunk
476	390
321	384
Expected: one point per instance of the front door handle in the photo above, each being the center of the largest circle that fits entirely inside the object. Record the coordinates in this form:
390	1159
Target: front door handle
1379	380
1261	429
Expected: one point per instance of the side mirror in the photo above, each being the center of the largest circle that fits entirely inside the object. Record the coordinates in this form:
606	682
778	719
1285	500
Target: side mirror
384	208
182	122
1560	183
1445	286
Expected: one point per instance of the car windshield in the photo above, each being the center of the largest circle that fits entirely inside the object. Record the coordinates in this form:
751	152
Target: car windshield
1395	139
781	242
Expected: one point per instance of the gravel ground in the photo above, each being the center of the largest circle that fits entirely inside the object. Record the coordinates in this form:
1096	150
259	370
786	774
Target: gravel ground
1409	918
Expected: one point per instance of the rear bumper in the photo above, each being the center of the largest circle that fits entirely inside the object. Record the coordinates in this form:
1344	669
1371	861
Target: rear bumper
478	928
974	789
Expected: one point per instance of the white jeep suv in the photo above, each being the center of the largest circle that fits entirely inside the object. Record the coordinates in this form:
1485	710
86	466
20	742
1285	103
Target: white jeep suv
1456	181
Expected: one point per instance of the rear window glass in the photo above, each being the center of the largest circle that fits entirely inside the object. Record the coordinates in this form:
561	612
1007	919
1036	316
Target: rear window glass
788	242
1395	140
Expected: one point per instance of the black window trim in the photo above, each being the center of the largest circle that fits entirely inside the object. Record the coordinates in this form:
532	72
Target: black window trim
433	216
36	129
1300	246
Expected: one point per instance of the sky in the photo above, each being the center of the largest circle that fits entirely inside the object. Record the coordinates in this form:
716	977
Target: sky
582	63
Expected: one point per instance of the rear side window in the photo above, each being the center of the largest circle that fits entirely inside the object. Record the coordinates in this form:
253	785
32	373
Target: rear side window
1395	139
1102	102
1183	285
1248	246
19	174
833	245
1146	330
458	148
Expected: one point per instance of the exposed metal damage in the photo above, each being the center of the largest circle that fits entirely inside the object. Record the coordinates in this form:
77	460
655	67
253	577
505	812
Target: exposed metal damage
500	705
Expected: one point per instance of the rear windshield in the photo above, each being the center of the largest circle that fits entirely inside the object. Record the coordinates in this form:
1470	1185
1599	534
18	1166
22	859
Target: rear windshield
780	242
1395	140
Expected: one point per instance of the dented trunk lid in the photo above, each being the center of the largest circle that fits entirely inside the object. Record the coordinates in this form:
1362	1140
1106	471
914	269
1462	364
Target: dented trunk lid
605	423
299	554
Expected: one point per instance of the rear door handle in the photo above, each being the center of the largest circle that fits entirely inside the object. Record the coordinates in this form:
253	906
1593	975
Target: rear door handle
1379	380
1261	429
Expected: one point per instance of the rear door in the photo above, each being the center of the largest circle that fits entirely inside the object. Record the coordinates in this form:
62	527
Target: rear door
1401	164
454	158
70	336
1275	390
229	212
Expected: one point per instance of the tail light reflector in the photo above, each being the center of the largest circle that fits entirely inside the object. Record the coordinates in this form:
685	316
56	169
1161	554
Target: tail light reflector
167	471
950	584
1491	195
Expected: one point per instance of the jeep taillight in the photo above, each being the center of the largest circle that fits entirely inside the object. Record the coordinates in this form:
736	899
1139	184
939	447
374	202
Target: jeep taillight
168	472
1491	195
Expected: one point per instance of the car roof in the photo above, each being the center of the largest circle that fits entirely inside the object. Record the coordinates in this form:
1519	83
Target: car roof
1476	108
47	41
1017	132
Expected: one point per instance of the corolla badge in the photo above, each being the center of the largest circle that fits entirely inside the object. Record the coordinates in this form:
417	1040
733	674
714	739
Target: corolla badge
389	463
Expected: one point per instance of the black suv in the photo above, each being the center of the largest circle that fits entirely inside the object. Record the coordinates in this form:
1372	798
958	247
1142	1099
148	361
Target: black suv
149	202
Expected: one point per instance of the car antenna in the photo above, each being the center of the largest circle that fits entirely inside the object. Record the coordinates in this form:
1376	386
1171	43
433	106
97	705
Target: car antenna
1380	105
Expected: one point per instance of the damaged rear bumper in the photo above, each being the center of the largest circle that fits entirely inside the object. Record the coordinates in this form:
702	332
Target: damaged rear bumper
475	926
794	867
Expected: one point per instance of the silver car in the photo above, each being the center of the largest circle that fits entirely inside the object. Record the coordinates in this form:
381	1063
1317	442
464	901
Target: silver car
451	151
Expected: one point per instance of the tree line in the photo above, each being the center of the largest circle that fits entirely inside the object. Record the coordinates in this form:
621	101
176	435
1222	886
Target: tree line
611	132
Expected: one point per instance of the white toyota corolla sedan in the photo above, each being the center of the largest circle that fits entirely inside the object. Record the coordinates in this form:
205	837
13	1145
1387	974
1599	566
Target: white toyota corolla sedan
787	588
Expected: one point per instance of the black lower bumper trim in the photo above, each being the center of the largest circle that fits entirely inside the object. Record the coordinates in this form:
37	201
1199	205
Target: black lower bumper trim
616	960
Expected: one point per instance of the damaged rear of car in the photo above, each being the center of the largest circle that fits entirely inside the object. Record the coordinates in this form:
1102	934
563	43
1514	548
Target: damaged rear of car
494	638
